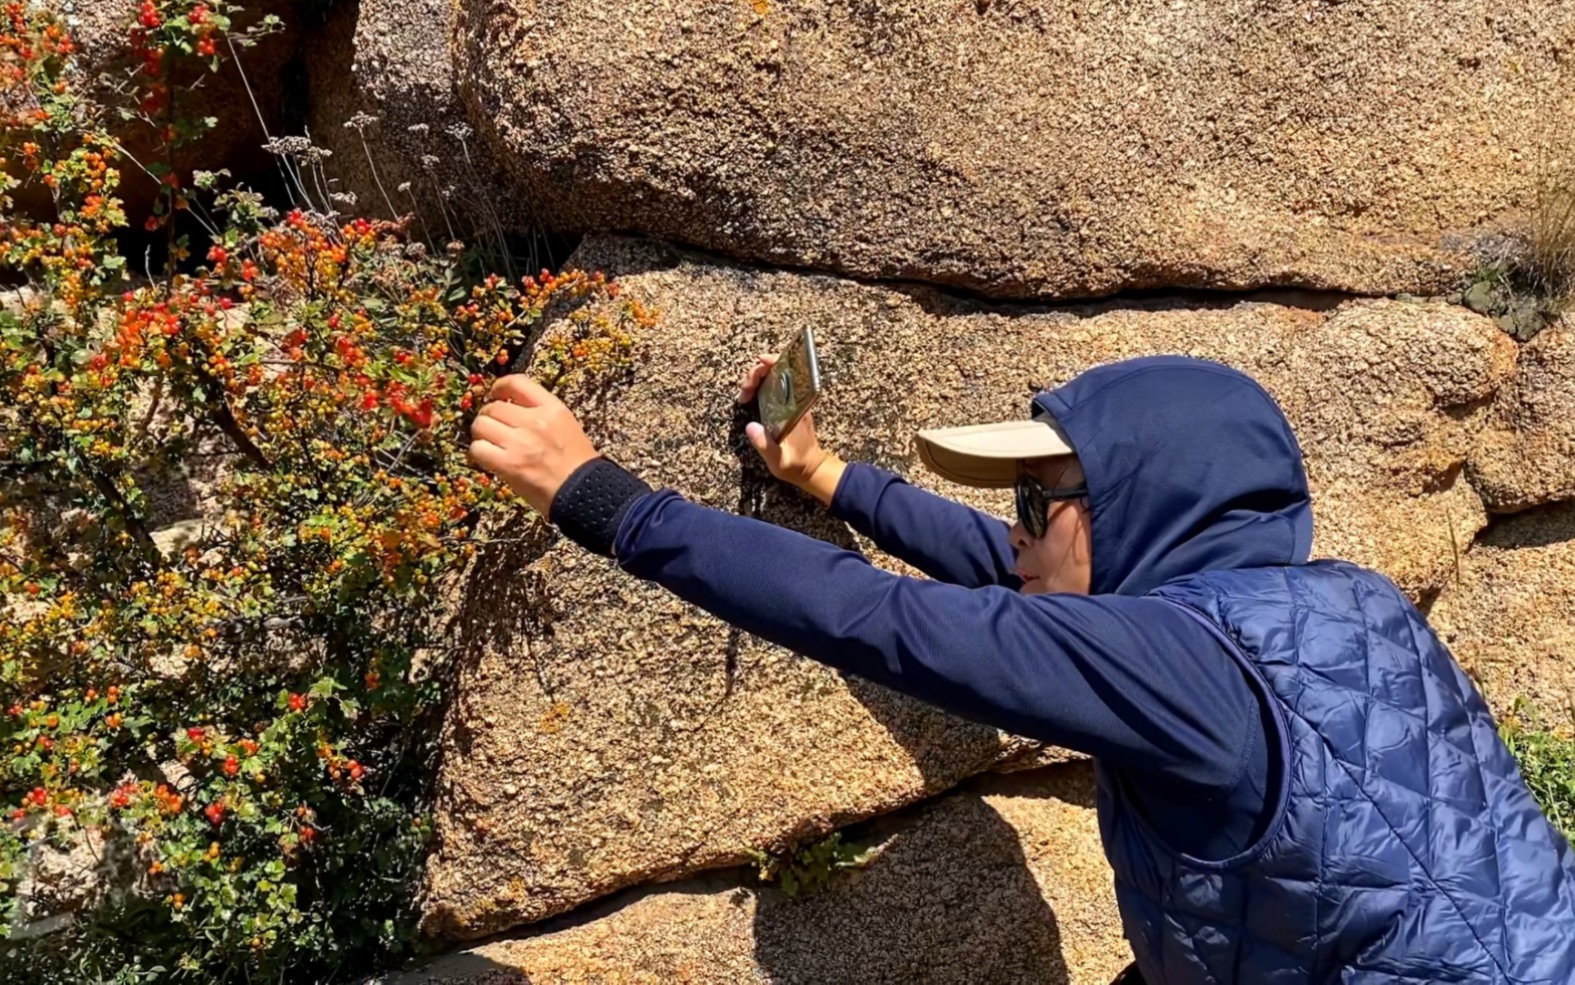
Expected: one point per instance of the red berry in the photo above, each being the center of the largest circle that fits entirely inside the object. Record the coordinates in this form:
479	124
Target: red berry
195	734
297	702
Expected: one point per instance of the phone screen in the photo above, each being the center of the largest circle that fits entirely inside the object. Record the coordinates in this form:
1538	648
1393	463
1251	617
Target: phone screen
791	387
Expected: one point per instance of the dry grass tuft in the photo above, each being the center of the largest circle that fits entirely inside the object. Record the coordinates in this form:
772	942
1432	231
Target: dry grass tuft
1526	276
1550	259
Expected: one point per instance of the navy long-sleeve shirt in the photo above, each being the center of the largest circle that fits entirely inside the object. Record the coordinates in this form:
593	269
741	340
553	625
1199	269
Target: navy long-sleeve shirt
1132	681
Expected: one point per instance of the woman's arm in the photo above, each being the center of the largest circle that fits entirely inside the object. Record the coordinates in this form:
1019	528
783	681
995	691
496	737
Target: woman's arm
1130	680
1133	681
944	539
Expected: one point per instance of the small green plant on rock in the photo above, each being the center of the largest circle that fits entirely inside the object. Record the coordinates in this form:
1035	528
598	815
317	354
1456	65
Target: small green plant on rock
808	869
1547	760
1507	289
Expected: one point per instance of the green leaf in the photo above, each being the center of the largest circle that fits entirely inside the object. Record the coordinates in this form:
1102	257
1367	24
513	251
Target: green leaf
324	687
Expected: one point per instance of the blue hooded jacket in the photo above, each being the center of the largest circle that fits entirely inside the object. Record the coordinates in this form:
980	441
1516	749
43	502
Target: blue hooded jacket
1193	473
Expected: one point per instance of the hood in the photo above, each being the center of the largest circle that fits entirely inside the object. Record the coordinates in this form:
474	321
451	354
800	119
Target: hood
1191	467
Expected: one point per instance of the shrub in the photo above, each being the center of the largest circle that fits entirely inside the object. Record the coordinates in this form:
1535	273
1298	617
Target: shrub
244	719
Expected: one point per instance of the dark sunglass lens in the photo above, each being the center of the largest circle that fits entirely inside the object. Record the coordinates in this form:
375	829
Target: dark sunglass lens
1031	506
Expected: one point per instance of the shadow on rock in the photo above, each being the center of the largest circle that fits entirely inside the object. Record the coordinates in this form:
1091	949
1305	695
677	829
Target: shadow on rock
504	604
940	746
1543	526
951	899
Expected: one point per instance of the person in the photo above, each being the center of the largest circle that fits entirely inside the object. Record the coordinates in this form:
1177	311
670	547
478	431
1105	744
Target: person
1296	781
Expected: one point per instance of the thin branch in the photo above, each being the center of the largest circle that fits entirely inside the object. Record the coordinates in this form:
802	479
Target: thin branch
235	58
212	228
134	526
224	417
358	123
153	409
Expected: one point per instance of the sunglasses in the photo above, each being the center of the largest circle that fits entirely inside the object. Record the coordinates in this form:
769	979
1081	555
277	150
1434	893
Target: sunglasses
1033	502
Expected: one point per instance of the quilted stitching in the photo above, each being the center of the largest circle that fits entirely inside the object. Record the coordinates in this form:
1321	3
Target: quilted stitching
1398	860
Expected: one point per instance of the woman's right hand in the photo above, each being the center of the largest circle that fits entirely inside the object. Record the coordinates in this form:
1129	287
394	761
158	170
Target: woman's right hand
798	458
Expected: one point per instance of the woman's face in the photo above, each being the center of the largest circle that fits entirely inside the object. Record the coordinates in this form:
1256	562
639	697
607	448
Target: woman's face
1061	560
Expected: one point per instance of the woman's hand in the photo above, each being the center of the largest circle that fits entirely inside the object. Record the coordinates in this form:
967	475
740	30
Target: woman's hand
527	437
798	458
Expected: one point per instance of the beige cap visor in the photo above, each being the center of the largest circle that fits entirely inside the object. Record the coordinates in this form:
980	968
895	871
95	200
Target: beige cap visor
986	455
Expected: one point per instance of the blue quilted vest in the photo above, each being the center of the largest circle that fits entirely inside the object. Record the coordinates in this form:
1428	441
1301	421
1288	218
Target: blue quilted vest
1405	847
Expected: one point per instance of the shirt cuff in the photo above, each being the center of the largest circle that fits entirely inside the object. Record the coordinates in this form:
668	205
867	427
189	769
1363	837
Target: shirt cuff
592	502
859	490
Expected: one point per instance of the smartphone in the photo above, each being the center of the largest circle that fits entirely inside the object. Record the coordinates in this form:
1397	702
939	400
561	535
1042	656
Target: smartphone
791	387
